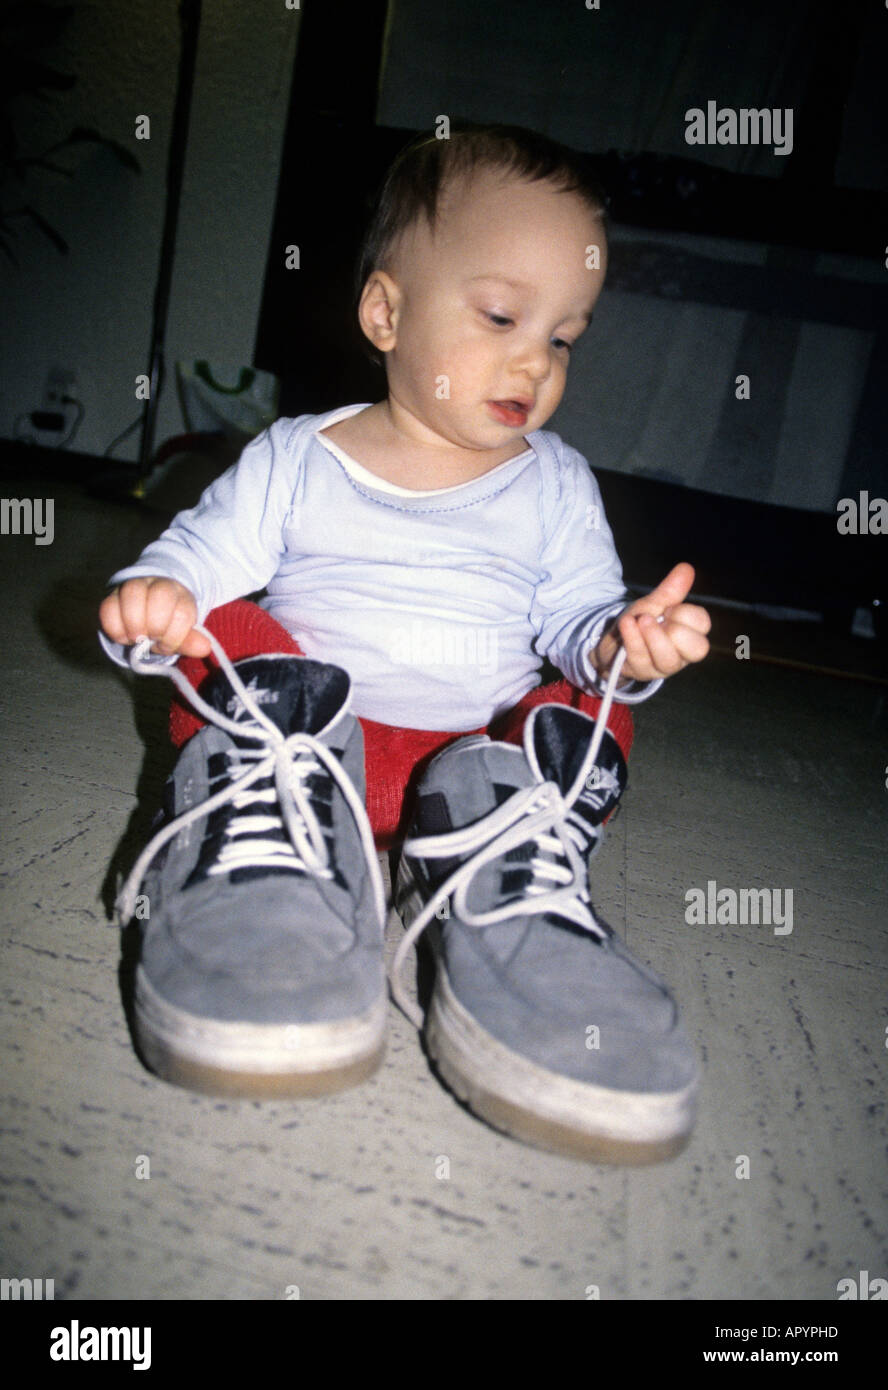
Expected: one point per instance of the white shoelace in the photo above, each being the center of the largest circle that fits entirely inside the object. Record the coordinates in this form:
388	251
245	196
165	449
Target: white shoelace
289	759
540	814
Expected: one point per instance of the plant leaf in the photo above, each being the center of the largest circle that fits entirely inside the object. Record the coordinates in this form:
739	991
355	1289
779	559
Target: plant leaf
27	74
82	134
48	231
42	163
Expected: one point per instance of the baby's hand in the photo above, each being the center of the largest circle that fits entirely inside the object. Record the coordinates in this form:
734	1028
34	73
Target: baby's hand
657	649
161	609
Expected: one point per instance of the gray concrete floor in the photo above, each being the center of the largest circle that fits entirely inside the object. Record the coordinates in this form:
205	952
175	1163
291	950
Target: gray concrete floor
748	775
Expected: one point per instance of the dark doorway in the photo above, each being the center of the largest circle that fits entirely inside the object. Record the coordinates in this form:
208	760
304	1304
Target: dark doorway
333	159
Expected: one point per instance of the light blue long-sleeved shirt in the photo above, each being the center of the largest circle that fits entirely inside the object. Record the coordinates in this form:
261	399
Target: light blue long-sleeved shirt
440	605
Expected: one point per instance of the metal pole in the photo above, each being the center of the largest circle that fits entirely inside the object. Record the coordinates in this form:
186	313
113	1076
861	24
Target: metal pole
189	24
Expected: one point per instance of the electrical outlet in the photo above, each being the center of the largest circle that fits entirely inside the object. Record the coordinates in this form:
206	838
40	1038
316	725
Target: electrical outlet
59	383
60	411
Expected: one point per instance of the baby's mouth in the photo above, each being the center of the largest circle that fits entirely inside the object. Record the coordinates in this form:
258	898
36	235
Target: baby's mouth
513	412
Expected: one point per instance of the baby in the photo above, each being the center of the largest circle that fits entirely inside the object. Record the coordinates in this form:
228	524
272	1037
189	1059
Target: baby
421	557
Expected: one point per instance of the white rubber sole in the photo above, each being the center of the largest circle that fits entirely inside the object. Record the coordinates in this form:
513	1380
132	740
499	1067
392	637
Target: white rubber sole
545	1109
253	1060
538	1106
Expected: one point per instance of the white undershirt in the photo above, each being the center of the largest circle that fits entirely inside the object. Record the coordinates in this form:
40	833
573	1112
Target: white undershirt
363	475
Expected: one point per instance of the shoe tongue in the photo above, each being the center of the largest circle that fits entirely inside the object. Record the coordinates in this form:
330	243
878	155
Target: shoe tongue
297	694
559	741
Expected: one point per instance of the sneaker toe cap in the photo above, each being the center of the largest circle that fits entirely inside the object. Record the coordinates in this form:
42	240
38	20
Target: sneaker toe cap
232	955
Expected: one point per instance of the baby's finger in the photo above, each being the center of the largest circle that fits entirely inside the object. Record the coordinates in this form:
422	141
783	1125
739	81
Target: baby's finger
111	619
161	604
689	642
663	654
179	625
194	644
690	615
638	657
132	599
669	592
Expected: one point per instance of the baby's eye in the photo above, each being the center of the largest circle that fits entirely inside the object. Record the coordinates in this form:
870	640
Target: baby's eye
562	343
500	320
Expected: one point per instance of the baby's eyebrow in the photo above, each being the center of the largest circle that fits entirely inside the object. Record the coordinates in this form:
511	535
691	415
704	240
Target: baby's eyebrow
502	279
584	314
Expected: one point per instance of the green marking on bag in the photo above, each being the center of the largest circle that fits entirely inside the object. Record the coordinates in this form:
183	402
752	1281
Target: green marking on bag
247	377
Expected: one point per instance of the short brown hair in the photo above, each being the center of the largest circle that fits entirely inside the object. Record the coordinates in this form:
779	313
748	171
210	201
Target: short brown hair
416	180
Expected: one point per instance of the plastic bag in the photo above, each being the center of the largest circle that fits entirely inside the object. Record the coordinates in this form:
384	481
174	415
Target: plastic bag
240	403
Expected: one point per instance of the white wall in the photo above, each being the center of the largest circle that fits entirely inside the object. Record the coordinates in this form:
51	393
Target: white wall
91	311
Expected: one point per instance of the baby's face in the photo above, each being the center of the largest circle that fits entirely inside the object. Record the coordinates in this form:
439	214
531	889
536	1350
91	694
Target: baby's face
487	309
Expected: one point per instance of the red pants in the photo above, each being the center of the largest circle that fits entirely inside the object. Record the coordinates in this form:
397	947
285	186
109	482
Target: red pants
392	755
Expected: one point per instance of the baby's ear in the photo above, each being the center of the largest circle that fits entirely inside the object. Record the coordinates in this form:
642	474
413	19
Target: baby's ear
378	310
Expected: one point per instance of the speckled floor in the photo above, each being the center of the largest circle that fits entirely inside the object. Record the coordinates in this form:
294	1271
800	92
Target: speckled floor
747	775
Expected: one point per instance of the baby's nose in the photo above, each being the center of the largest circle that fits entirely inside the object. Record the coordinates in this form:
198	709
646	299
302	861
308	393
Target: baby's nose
533	357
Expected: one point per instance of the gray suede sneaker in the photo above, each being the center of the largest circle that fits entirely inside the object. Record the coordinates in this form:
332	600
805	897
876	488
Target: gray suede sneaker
540	1018
262	968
